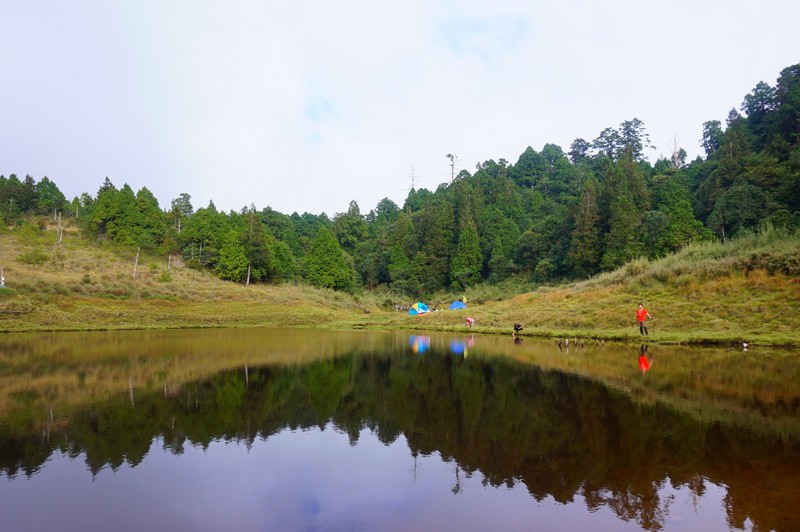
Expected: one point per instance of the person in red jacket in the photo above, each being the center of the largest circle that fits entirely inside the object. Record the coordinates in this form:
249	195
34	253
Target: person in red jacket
641	316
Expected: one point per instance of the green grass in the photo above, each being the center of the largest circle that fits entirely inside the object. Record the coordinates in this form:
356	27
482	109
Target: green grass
745	290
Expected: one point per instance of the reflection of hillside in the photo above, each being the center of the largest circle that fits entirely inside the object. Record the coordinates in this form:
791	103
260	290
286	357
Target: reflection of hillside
560	435
48	376
59	372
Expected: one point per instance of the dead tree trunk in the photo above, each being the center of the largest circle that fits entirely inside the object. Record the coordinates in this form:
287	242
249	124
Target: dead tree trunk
136	262
60	229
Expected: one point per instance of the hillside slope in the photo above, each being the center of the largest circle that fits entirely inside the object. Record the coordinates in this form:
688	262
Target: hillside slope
747	290
78	284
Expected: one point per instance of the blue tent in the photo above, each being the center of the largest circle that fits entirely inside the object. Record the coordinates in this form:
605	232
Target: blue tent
457	305
418	308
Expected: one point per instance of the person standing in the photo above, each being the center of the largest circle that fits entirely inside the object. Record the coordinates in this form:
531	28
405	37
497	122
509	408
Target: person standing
641	316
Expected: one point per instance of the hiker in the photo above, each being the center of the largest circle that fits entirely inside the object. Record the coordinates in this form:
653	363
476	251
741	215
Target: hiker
517	328
641	316
470	321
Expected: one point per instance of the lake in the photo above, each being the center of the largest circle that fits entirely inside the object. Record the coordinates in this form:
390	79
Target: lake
291	429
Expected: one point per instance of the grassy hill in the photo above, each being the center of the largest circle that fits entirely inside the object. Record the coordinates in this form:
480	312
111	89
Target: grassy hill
747	290
744	290
78	284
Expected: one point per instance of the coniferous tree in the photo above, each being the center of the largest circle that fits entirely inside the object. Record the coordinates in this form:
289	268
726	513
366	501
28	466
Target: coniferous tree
740	207
180	210
326	265
400	270
202	236
124	222
435	236
27	199
712	137
49	198
152	221
527	255
633	139
786	120
10	194
579	150
232	261
682	227
584	252
283	261
350	228
621	240
531	167
501	260
257	249
608	144
467	264
103	208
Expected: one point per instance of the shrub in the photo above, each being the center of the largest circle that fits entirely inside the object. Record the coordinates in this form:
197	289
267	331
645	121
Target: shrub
684	280
34	256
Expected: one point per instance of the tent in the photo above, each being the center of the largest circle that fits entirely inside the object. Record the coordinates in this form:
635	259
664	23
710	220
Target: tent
418	308
457	305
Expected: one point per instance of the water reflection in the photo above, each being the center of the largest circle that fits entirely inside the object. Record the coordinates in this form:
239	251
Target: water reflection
647	452
460	346
419	344
644	360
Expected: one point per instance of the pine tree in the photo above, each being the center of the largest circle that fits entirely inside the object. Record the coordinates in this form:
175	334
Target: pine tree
621	241
465	269
584	252
326	265
232	259
435	235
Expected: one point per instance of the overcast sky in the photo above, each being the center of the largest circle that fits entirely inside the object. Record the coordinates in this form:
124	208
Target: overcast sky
306	105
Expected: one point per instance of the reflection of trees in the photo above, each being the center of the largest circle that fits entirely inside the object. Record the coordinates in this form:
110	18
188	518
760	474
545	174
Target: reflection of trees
558	434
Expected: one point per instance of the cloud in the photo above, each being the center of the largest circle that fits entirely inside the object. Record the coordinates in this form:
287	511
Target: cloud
481	37
305	107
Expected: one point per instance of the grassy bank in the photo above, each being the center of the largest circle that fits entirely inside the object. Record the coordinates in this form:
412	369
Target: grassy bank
77	285
747	290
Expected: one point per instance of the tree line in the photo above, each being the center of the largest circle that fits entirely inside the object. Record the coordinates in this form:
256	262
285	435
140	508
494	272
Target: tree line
551	216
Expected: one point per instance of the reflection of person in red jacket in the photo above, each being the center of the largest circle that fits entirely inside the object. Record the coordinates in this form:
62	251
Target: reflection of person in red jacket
641	315
644	362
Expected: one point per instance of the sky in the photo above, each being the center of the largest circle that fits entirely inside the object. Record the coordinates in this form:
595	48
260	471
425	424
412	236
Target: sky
305	106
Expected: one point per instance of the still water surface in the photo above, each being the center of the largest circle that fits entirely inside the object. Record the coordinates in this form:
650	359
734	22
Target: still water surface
270	429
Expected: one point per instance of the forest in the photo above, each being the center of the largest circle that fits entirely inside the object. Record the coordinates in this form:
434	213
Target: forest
552	216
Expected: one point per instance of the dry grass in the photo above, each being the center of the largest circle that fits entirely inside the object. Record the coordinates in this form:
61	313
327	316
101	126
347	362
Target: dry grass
90	285
746	290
